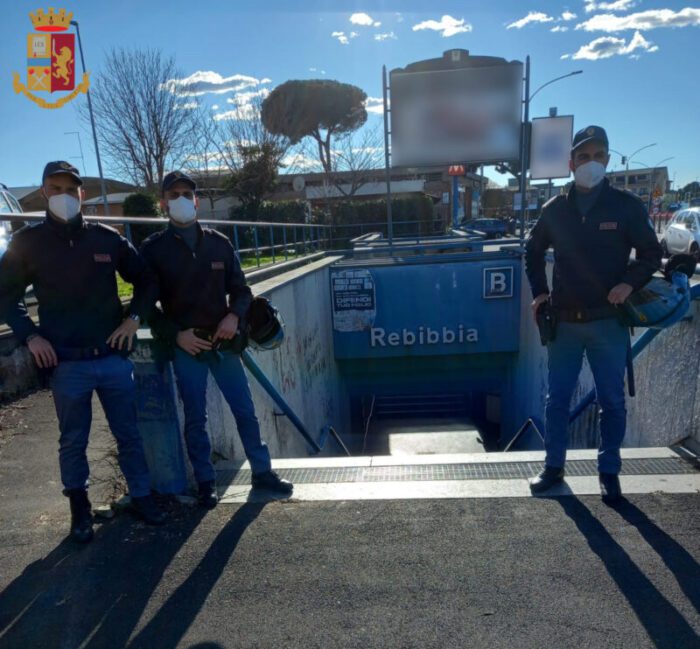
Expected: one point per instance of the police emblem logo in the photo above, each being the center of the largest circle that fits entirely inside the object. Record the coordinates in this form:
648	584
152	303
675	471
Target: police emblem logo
50	60
590	131
65	165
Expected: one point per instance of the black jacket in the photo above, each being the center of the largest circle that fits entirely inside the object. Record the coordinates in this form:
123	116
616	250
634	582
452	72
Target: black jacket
592	253
72	268
194	286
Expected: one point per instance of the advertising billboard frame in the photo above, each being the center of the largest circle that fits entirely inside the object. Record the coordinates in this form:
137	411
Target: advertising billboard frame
566	138
511	133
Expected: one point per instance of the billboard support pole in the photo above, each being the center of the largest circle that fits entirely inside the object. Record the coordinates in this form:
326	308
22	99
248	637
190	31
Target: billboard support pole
455	202
523	151
387	154
92	122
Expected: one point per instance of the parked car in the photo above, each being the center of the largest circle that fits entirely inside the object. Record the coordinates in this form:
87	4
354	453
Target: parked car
492	228
8	204
682	233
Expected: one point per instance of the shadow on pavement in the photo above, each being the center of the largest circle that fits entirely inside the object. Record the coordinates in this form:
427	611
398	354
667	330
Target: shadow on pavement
94	596
170	623
678	560
664	624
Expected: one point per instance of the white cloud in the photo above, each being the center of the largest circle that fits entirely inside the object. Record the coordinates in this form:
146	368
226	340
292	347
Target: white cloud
448	25
246	97
245	108
317	70
353	34
567	15
190	105
364	20
559	28
386	36
215	107
608	46
342	38
374	105
616	5
642	20
399	17
203	82
563	57
532	17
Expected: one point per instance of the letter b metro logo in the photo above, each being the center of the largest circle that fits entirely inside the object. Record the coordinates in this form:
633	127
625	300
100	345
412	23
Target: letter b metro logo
498	282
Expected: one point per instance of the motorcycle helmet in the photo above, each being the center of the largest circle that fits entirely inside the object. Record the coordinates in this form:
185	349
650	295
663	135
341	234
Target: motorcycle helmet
265	325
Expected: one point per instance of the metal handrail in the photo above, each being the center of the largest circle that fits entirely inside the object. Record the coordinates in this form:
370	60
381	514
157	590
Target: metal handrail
530	423
311	233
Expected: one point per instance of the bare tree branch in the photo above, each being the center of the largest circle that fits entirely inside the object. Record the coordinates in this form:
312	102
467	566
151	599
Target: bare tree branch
141	126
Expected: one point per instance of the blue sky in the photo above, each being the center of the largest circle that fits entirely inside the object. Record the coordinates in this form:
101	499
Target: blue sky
639	76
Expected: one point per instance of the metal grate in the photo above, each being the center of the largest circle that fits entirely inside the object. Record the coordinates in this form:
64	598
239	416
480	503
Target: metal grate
476	471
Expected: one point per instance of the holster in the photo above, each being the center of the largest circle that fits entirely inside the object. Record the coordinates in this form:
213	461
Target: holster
546	322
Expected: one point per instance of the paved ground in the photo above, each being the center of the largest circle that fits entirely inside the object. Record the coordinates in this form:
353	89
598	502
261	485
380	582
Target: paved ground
478	572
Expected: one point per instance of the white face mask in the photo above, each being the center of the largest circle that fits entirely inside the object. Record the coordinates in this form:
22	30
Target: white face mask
64	206
588	175
182	210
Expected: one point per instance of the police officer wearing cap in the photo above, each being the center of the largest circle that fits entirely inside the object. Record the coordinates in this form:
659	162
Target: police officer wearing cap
592	230
83	336
203	295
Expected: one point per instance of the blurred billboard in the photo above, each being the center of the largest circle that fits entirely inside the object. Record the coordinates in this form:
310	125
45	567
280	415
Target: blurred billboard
550	148
460	115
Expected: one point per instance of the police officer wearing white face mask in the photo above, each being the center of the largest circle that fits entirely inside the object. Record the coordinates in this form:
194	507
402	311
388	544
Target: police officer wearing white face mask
84	334
204	296
592	231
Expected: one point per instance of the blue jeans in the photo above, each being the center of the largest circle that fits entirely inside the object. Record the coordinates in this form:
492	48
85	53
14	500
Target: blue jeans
72	384
227	370
605	345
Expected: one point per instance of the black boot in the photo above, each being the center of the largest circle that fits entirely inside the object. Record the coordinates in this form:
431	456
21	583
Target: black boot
610	490
546	479
81	515
207	495
145	508
270	481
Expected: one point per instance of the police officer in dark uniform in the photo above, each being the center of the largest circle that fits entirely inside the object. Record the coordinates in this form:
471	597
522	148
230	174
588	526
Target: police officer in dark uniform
204	295
592	230
83	336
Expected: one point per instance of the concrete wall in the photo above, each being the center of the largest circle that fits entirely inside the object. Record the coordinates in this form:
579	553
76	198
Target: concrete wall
303	370
667	406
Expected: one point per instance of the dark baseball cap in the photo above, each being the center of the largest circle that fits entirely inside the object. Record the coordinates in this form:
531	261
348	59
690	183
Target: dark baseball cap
175	177
590	134
61	167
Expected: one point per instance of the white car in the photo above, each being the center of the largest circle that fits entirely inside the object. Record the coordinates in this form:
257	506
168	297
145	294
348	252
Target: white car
8	204
683	233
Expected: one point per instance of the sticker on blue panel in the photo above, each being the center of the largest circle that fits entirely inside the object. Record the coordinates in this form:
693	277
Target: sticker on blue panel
498	282
354	300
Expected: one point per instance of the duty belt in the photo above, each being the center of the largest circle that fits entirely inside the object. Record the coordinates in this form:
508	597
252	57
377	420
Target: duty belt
586	315
85	353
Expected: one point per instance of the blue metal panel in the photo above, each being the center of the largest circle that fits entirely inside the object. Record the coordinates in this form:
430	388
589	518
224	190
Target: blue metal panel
435	308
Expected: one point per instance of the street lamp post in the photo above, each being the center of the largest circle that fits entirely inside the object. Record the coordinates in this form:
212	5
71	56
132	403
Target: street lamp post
92	122
525	140
629	159
80	145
